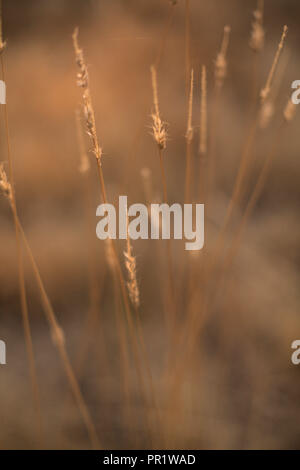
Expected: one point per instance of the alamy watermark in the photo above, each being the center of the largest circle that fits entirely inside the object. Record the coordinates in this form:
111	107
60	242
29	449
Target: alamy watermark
152	222
295	357
2	353
2	92
296	94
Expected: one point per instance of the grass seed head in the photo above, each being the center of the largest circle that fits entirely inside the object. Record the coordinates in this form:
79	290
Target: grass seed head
88	110
221	60
5	186
257	38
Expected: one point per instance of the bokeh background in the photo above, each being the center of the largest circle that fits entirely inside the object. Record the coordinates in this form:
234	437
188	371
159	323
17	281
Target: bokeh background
242	390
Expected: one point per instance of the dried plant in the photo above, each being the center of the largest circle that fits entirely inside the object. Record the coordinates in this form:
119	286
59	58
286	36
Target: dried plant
84	165
204	272
203	113
2	43
5	186
130	264
158	126
159	134
189	137
83	82
189	128
267	88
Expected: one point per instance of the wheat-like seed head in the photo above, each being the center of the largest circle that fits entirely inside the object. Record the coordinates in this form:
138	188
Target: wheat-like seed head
5	186
159	131
158	126
83	82
130	264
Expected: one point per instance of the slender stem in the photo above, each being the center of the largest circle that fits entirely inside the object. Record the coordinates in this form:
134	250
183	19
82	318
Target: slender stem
60	345
171	289
22	287
187	46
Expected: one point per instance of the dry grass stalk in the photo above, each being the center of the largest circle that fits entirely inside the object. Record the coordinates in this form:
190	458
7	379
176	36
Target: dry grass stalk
159	134
2	43
134	295
189	129
7	188
288	115
58	339
203	113
84	165
130	264
91	330
187	46
258	34
189	137
57	334
83	82
267	88
220	75
158	126
221	60
240	182
163	41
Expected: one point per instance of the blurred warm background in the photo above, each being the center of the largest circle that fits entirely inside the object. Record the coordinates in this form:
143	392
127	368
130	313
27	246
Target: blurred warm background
240	389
